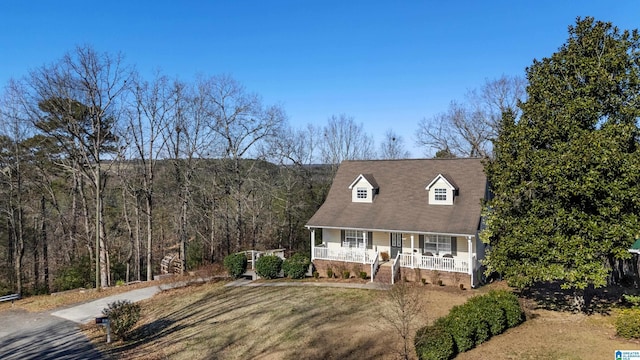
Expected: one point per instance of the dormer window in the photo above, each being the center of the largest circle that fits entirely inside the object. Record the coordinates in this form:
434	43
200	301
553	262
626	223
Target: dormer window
442	191
440	194
363	189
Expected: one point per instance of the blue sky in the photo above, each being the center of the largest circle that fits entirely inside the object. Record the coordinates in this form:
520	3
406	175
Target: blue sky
386	63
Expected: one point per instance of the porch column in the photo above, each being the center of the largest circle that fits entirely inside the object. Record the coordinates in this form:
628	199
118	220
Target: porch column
364	254
471	264
412	254
313	244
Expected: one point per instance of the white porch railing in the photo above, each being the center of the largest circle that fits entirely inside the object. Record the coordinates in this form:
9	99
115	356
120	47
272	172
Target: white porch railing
359	255
374	266
434	263
395	268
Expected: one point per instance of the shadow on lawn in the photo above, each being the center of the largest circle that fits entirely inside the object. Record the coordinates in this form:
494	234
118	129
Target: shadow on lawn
551	296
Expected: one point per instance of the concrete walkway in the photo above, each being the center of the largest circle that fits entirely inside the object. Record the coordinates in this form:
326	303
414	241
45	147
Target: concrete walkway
87	312
369	285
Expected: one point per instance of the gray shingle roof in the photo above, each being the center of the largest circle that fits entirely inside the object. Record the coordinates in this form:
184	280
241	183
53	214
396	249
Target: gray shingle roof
402	202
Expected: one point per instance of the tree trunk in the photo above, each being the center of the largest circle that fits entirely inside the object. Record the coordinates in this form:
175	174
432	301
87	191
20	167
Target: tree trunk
43	238
18	233
36	265
137	269
87	228
183	232
149	236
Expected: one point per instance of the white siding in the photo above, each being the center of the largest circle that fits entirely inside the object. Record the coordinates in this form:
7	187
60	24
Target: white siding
381	242
441	184
331	237
362	183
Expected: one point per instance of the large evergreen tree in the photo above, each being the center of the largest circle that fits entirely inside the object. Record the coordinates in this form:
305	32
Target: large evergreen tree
566	175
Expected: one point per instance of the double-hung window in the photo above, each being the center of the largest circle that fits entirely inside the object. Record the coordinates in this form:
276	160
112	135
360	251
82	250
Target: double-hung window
440	194
438	244
354	238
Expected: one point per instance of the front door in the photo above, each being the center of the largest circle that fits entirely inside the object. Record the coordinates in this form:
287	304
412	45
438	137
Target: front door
396	244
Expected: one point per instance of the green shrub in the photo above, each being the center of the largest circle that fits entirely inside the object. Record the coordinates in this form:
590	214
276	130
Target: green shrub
628	324
346	274
316	274
510	304
236	264
363	275
475	319
268	266
123	315
634	300
457	325
471	324
296	266
491	312
434	343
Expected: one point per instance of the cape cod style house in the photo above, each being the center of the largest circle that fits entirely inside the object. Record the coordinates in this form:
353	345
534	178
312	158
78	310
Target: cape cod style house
423	215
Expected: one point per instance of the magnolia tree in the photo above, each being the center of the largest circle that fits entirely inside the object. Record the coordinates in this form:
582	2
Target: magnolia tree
566	174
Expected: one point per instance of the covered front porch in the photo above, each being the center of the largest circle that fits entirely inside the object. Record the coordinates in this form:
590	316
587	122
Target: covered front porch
415	255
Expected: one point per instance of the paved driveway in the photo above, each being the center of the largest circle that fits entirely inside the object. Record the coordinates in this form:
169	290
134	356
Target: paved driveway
25	335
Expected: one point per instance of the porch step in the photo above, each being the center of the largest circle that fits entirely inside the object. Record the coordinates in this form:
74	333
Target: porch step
383	275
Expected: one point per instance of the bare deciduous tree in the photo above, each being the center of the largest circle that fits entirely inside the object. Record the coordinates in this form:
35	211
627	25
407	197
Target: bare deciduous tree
344	139
401	311
241	122
392	147
76	100
148	118
14	131
467	129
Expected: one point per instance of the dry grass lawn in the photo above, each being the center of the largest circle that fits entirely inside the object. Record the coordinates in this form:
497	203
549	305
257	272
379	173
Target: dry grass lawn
211	321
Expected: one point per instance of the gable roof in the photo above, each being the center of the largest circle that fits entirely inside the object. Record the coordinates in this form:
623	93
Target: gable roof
446	178
370	179
402	204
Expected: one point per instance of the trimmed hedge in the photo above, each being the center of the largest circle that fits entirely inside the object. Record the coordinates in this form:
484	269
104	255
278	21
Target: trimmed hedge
471	324
511	306
465	327
490	311
628	324
236	264
296	266
268	266
434	343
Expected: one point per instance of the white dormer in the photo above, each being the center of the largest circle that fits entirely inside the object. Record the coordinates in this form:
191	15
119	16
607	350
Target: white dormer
441	191
363	188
